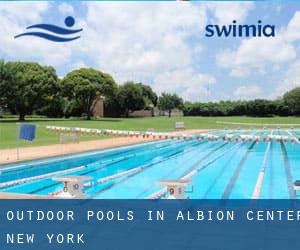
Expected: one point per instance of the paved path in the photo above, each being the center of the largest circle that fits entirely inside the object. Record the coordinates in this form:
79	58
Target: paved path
30	153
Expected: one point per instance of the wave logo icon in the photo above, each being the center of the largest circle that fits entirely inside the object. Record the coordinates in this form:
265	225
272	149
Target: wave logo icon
59	34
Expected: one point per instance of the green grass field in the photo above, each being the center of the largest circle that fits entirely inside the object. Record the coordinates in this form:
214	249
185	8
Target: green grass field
9	127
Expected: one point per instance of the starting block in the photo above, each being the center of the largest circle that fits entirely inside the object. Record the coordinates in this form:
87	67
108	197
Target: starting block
176	188
296	186
73	186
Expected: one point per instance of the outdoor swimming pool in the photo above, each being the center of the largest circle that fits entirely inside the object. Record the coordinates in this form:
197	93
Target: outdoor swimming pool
218	169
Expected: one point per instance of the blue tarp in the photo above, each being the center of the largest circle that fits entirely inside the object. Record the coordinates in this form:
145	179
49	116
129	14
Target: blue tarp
27	132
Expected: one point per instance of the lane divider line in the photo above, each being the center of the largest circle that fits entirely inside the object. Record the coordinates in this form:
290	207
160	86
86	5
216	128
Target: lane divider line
287	168
260	179
29	179
236	174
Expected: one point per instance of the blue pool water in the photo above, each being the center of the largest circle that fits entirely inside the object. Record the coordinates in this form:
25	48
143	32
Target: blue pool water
221	169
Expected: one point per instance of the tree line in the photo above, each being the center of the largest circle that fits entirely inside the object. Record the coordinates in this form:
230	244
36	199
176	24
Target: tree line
30	88
289	104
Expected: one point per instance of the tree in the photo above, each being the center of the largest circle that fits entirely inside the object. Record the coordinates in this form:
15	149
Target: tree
3	83
131	98
149	94
281	107
292	100
260	107
84	85
167	102
26	86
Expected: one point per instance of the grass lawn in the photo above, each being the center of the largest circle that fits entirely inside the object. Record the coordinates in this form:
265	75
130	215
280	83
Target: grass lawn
9	127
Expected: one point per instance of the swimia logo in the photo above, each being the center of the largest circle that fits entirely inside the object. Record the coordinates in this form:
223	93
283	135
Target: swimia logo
56	33
239	30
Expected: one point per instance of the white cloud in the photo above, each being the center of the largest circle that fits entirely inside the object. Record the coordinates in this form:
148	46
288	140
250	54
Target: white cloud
255	54
291	80
293	28
65	8
23	11
226	12
247	92
188	84
79	64
292	76
141	38
198	49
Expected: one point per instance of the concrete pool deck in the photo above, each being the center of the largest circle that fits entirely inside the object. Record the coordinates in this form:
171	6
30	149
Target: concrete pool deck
31	153
24	196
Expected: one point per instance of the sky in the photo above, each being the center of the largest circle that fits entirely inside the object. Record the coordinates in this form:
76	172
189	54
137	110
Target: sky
163	44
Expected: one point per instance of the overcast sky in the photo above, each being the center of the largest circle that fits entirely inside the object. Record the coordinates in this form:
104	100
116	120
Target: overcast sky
163	44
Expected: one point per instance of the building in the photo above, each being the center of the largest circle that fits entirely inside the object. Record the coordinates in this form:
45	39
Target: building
98	107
